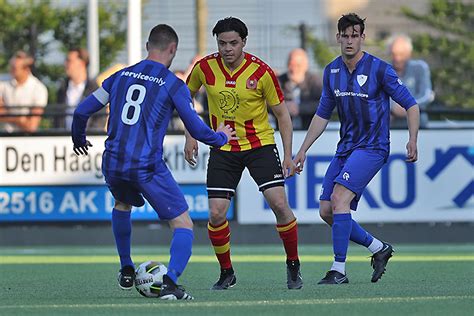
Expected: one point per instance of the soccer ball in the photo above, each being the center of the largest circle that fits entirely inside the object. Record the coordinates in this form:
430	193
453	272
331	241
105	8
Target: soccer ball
149	278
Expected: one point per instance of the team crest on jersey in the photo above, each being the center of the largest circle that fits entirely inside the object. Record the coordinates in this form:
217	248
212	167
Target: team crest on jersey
228	101
252	84
361	79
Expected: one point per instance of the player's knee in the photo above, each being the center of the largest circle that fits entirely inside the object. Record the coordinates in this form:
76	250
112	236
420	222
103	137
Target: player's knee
217	216
337	201
121	206
279	205
182	221
218	210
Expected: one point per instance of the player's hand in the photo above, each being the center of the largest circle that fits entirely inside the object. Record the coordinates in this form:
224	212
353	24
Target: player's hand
289	167
228	131
412	151
191	150
82	150
299	161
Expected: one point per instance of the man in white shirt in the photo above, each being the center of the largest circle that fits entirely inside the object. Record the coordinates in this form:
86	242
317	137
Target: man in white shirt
23	98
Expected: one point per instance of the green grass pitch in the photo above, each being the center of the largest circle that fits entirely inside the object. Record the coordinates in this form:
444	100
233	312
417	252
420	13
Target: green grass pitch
420	280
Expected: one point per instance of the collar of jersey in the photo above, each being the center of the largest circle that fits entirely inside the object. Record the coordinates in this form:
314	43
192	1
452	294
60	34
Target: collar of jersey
360	62
237	71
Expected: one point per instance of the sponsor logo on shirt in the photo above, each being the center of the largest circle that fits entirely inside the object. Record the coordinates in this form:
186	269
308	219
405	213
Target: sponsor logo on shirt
338	94
346	176
334	70
228	102
230	83
141	76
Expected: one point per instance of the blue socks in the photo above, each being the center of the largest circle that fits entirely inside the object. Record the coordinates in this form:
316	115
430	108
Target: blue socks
341	231
122	228
180	252
180	249
360	236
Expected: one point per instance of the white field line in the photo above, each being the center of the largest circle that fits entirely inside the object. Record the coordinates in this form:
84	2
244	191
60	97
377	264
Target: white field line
41	259
193	304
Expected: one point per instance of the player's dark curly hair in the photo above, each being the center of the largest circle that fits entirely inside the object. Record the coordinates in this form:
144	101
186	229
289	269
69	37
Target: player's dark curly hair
161	36
230	24
350	19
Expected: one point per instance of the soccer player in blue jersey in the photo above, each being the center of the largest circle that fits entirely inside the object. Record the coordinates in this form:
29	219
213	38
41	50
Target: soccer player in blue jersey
360	86
142	98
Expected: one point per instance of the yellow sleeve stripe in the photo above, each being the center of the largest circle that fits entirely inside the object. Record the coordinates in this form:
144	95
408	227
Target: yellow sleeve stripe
216	229
287	227
222	249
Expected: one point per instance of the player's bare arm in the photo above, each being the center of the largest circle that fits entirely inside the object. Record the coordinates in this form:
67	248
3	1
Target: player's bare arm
316	128
286	133
413	119
191	149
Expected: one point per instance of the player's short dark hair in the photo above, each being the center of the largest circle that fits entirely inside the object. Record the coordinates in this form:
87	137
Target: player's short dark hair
230	24
161	36
350	19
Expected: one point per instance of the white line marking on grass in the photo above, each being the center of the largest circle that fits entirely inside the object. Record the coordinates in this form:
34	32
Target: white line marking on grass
31	259
193	304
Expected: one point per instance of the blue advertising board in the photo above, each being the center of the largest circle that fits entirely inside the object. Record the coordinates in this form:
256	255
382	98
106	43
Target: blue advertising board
84	203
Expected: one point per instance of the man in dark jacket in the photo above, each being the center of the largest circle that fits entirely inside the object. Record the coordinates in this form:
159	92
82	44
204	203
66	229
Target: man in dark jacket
75	87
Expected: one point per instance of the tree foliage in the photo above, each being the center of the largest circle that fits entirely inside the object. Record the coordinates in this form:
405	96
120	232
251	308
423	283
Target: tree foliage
449	49
35	26
323	54
22	24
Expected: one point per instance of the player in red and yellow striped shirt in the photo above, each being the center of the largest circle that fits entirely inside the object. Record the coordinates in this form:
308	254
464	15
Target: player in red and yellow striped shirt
239	87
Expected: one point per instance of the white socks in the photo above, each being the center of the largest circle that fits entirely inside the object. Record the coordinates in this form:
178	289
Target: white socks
339	267
375	246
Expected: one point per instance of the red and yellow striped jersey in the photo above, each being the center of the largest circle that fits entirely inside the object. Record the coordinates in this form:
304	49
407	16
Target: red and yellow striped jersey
239	98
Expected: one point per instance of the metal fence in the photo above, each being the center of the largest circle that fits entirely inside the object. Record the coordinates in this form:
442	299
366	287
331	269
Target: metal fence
54	117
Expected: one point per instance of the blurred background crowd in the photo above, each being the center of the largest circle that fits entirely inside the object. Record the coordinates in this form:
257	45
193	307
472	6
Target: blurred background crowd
45	73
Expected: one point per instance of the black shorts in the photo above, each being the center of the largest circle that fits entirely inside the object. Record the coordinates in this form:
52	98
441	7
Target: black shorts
225	168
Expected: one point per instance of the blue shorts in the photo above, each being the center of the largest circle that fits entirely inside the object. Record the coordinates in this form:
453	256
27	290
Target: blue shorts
353	172
162	192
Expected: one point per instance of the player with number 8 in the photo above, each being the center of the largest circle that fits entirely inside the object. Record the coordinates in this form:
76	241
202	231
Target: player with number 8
142	99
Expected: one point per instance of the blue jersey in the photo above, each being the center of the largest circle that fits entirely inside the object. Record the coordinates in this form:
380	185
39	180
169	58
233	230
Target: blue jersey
142	98
362	99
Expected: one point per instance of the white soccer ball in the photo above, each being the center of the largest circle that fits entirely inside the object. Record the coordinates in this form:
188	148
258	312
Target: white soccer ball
149	278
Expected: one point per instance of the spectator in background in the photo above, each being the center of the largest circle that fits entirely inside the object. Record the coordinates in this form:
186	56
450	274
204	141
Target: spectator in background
199	100
302	89
75	87
415	74
23	95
